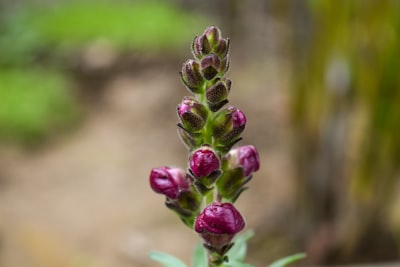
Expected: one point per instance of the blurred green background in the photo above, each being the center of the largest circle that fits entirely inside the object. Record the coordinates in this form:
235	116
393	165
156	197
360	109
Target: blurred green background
36	38
88	91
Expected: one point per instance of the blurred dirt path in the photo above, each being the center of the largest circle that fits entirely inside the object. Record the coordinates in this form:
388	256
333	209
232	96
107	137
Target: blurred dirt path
85	200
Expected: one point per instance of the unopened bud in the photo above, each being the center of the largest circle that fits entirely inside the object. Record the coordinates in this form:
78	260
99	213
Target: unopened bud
203	162
201	46
169	181
217	224
192	77
192	113
217	94
245	157
238	165
210	66
213	35
229	123
222	48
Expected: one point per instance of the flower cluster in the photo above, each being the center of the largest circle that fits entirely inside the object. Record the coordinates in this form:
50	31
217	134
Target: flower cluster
217	173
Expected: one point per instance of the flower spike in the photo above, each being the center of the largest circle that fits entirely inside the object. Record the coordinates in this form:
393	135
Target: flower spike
217	173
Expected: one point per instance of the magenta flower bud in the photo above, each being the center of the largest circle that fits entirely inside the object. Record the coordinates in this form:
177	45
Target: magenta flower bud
245	157
169	181
203	162
238	117
217	224
192	77
238	165
217	94
192	113
227	128
230	122
210	66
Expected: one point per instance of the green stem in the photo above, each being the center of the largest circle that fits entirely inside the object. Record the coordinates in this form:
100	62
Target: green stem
214	259
210	197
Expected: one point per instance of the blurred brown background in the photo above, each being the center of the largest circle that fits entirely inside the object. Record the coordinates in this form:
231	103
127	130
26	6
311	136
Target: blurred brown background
88	92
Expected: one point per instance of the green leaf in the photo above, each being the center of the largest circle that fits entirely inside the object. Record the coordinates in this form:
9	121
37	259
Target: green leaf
287	260
238	252
166	259
199	256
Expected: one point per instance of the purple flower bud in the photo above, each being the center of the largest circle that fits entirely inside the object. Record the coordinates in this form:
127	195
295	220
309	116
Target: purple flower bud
218	223
192	77
168	181
211	42
229	123
238	117
210	66
217	94
213	35
201	46
203	162
192	113
222	48
246	157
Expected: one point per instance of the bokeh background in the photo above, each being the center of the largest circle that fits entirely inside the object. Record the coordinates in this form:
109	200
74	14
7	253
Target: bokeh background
88	92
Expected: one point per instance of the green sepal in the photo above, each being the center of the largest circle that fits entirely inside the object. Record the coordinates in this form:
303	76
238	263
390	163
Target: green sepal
186	206
206	183
232	183
191	140
201	188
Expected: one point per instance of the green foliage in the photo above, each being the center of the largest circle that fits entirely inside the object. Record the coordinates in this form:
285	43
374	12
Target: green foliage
166	259
236	255
346	110
288	260
239	250
143	26
34	104
18	43
199	256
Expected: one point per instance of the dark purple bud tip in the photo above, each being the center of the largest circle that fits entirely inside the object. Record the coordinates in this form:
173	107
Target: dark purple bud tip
246	157
168	181
218	223
204	162
210	65
192	77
